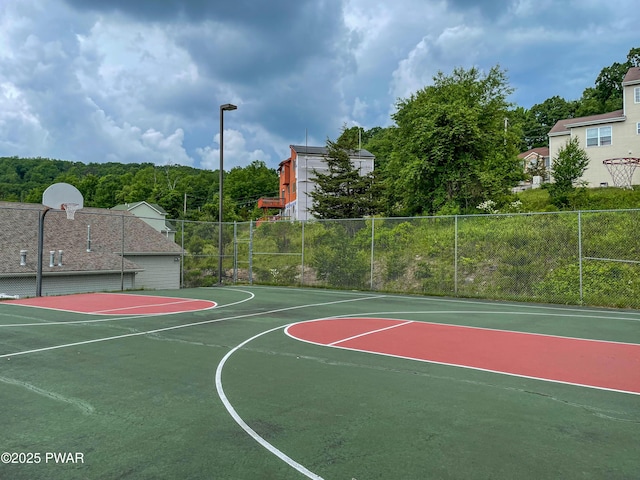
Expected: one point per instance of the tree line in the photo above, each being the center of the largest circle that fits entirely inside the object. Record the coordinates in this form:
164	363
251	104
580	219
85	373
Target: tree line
184	192
452	146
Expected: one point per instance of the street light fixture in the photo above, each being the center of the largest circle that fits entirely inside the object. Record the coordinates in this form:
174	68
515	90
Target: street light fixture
226	107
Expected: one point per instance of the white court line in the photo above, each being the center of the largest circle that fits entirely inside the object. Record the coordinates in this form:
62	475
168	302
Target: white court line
185	300
548	380
238	419
165	329
498	303
132	317
219	388
472	312
455	364
369	333
488	302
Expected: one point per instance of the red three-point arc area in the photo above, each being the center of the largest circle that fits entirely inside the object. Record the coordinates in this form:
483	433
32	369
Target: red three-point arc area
116	304
589	363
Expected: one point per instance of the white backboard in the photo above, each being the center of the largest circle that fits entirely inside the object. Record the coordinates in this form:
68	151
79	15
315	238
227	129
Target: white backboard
58	193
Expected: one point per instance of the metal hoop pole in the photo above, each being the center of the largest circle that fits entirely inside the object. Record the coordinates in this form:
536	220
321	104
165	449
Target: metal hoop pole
40	250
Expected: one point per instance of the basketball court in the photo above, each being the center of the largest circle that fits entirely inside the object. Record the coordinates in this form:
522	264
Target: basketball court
306	383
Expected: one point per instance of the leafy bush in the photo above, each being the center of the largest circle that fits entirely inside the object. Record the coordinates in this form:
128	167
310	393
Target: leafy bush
335	255
604	283
538	200
277	248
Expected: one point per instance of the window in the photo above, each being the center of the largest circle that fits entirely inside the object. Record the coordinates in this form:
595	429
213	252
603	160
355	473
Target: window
638	128
597	137
636	95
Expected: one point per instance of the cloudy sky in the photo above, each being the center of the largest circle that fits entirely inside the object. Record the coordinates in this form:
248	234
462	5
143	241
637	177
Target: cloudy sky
142	80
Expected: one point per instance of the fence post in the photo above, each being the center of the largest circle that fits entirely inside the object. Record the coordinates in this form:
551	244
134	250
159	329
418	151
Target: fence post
302	255
580	255
182	256
235	252
455	255
122	259
372	250
250	252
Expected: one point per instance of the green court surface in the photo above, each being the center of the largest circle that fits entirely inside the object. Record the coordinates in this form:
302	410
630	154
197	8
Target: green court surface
225	393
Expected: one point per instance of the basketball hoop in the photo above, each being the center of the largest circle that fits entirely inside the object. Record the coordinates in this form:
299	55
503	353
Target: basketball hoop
62	196
59	196
70	209
621	170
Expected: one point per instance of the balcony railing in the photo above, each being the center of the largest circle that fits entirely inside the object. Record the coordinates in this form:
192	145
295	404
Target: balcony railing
267	202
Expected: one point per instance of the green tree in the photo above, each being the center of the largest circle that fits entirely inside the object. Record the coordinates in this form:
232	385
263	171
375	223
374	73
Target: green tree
87	187
606	95
356	137
542	117
172	201
342	192
609	85
45	171
633	57
244	185
350	138
138	186
568	166
452	146
107	190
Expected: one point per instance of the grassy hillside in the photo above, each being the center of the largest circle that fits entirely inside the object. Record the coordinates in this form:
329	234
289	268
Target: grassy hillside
583	199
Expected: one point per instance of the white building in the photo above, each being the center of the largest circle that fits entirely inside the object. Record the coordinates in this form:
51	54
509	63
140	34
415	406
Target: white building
152	214
297	179
605	136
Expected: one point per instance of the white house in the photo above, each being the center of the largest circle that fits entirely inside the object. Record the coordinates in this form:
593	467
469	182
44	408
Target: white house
605	136
152	214
297	179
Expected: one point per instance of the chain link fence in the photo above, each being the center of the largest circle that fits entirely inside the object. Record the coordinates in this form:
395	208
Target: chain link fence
588	257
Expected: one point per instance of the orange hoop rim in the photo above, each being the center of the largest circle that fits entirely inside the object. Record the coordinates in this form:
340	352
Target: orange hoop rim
622	161
70	208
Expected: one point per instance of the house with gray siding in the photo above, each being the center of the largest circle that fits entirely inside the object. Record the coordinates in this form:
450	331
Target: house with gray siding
100	250
151	213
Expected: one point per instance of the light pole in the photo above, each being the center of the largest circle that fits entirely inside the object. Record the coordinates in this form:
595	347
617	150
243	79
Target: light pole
223	108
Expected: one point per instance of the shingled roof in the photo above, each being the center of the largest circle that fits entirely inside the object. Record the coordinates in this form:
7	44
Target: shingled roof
540	151
632	76
302	149
111	234
562	127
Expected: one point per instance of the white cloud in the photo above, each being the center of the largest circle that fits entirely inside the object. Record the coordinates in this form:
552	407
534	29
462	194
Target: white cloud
81	81
413	72
123	64
126	143
360	108
460	43
20	127
236	153
454	46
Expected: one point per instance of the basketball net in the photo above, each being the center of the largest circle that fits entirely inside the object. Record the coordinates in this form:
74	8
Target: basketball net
621	170
71	209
